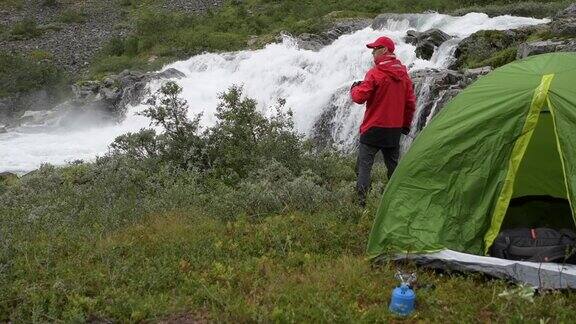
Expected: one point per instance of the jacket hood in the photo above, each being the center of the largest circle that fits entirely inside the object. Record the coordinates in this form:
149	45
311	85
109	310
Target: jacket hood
389	64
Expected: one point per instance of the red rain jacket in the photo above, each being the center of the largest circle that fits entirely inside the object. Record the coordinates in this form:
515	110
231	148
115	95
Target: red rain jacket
388	93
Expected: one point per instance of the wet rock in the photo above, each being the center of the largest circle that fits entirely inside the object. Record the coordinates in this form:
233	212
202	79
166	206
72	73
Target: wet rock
311	42
116	92
86	90
569	12
434	88
471	75
548	46
170	73
426	42
411	37
315	42
482	45
329	131
394	21
563	27
14	106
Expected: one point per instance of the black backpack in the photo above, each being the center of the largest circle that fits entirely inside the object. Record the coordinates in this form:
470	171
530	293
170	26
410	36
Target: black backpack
536	245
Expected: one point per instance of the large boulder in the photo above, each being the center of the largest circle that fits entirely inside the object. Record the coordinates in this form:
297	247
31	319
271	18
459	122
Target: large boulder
395	21
426	42
116	92
485	44
564	23
315	42
470	75
547	46
563	27
569	12
434	88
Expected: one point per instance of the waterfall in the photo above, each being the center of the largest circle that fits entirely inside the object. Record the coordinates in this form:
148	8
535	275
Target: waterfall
315	86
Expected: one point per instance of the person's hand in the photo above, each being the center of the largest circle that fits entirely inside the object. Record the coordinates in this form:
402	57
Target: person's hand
405	130
356	83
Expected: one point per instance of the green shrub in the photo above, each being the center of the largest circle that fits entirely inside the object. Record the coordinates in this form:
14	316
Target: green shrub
118	46
17	4
72	16
525	9
25	29
116	64
180	142
49	3
243	139
129	3
21	74
274	189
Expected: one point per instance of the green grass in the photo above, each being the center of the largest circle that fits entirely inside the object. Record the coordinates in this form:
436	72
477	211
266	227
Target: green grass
525	9
69	16
287	268
26	28
11	4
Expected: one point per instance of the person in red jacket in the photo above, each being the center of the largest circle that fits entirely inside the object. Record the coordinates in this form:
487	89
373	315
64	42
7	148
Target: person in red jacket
390	103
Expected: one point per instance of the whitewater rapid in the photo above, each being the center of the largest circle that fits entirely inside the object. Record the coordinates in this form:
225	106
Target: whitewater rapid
309	81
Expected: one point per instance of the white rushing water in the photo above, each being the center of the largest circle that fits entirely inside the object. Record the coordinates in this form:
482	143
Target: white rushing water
309	81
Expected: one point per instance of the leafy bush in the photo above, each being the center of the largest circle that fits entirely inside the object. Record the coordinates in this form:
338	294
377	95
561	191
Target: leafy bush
25	29
243	139
179	144
16	4
22	74
525	9
50	3
274	189
72	16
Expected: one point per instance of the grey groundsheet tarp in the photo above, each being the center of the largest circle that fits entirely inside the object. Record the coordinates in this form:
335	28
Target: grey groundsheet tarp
538	275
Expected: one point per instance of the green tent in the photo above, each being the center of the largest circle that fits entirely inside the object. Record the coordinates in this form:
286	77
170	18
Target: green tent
509	136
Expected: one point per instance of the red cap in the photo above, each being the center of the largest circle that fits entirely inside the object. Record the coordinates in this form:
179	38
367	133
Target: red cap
382	42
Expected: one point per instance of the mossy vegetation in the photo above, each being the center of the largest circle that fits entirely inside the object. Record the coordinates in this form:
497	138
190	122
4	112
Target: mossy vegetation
20	74
11	4
69	16
500	58
26	28
537	9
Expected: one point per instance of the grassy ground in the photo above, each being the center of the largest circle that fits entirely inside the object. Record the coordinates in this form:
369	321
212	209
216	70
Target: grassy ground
287	268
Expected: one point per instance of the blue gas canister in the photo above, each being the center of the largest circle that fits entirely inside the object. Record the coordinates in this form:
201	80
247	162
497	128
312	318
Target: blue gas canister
403	297
402	300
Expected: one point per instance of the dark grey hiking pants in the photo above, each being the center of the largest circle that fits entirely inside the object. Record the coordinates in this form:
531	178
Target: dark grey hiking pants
366	160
